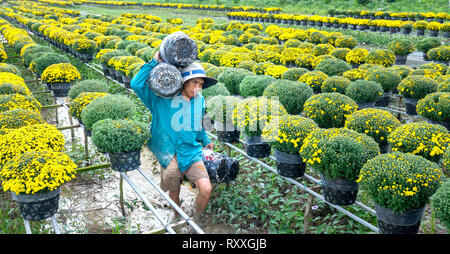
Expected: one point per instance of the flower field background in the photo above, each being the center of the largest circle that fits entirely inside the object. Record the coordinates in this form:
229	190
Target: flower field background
122	38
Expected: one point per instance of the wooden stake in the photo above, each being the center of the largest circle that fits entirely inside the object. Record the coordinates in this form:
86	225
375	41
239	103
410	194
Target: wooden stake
122	206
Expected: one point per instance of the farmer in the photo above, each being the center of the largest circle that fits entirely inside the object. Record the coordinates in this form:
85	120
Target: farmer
177	132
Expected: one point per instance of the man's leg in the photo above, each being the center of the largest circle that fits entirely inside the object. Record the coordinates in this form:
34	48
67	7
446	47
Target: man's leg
175	196
171	180
204	194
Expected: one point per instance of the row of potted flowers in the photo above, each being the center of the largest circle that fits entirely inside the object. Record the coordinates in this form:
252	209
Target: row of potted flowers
347	23
33	165
412	16
204	7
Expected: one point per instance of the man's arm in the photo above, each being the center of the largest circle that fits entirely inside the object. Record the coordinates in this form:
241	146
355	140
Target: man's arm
139	83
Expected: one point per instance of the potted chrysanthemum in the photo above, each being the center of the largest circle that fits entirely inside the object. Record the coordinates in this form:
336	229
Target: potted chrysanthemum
251	116
59	78
338	154
364	93
285	135
222	115
122	139
400	184
413	88
375	123
35	178
420	138
436	108
329	110
401	49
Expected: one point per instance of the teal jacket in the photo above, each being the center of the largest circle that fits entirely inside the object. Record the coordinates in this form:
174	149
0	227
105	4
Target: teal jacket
176	123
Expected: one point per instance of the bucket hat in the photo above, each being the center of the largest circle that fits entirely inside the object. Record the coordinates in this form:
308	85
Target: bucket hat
196	70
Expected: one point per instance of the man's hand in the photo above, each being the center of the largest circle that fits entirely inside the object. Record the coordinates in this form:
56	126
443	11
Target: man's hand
210	146
158	56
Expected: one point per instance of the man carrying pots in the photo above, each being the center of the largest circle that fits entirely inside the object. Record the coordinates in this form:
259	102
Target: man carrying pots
177	132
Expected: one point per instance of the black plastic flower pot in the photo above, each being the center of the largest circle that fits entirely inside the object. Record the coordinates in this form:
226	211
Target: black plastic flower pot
228	136
383	101
60	89
384	148
88	132
407	222
410	105
364	105
38	206
434	33
420	32
256	148
400	59
339	191
126	161
290	165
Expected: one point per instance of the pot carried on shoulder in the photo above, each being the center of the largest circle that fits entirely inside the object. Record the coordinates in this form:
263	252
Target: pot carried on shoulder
165	80
178	49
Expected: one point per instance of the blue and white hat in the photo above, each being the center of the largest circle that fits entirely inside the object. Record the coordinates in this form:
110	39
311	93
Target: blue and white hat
196	70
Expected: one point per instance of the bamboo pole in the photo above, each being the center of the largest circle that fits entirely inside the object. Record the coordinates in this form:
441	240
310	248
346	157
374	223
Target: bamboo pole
90	168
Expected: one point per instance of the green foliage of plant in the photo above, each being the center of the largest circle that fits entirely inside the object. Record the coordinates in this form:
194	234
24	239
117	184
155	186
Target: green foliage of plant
441	53
247	64
288	132
13	89
120	135
400	181
340	53
46	60
424	45
335	84
388	79
376	123
401	47
292	94
223	108
340	157
329	110
232	77
109	106
363	91
89	85
322	147
435	106
333	67
4	67
107	56
217	89
417	86
346	41
17	118
254	85
294	74
133	47
214	72
440	203
420	138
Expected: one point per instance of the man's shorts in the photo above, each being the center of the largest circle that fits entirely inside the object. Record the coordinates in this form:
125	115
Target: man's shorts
172	178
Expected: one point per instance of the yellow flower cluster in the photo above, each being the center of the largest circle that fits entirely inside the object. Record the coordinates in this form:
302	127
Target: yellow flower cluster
17	118
60	73
357	56
286	134
276	70
424	139
37	137
375	123
252	114
400	181
37	171
81	101
15	101
329	110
